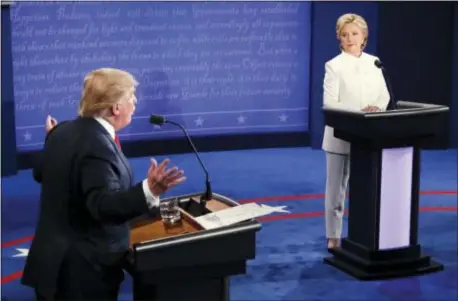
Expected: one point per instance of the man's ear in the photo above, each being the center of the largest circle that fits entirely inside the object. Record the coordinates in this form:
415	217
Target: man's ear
115	110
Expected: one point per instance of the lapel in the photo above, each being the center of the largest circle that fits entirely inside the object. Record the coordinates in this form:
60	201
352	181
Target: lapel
124	161
120	154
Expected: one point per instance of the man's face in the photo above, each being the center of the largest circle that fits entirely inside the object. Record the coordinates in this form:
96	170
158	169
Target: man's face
124	110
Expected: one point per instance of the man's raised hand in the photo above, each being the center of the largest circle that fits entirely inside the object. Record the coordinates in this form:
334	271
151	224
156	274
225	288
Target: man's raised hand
160	179
50	123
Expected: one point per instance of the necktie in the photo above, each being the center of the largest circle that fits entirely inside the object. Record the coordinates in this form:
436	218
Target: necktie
118	143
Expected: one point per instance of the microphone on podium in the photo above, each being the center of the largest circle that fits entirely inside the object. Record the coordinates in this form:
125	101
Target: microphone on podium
392	104
160	120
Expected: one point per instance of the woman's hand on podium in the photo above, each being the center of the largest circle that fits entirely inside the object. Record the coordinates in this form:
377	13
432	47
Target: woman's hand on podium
370	109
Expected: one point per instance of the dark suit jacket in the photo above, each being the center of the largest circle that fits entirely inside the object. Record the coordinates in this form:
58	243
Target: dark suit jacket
38	160
87	199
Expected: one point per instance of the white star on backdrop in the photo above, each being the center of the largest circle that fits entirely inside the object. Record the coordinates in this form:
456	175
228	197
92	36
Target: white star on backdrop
27	136
22	252
199	121
157	127
283	118
241	119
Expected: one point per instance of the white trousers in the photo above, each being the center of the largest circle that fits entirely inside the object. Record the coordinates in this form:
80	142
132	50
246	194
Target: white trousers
337	175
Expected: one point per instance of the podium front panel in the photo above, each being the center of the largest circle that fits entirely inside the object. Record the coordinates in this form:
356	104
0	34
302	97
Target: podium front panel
395	198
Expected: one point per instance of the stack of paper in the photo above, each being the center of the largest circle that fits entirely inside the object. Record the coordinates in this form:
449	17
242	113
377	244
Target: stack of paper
236	214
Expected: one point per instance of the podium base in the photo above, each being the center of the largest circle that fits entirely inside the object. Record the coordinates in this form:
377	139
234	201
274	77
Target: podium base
193	283
385	264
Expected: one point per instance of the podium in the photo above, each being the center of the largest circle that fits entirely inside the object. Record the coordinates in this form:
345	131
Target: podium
187	262
384	189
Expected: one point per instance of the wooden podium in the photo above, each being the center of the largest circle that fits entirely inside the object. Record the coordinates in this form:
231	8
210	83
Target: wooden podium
187	262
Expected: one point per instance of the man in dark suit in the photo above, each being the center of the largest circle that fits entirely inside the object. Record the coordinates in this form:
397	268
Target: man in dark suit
88	196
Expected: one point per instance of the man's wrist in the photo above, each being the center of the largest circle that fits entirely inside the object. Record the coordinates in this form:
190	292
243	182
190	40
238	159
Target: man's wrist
151	198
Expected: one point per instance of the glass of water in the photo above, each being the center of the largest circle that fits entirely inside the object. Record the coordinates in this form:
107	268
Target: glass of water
170	212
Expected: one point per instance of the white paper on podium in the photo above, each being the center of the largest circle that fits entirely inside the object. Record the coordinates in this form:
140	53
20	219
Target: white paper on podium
236	214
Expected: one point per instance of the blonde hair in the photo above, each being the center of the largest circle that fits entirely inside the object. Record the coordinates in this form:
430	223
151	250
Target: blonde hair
355	19
102	88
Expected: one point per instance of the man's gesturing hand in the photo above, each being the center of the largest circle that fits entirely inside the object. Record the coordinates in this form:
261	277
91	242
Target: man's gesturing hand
160	179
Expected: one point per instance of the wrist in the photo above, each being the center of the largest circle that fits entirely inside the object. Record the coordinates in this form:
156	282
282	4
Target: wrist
156	189
148	189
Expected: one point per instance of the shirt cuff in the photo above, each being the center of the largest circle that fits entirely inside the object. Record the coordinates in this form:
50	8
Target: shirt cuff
151	199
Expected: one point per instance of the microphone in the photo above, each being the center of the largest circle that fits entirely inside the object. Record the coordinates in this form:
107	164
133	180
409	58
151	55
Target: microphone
160	120
157	120
392	104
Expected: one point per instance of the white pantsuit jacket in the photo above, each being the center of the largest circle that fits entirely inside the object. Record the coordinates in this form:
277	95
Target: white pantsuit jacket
351	83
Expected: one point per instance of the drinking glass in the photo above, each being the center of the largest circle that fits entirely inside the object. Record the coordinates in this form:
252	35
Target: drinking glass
170	212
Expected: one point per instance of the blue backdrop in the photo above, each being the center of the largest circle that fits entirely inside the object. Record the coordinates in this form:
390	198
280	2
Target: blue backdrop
173	85
217	68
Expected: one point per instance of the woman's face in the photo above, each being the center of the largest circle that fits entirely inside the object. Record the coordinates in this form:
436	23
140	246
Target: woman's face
351	38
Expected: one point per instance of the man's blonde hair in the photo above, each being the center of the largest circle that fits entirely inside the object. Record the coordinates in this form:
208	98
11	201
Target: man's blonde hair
102	88
356	19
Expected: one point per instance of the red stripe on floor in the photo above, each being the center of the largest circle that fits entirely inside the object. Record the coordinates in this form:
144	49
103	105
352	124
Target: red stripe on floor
261	200
12	277
17	241
270	218
18	274
321	195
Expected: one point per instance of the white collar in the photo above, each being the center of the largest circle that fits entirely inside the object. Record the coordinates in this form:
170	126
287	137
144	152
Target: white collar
107	126
352	57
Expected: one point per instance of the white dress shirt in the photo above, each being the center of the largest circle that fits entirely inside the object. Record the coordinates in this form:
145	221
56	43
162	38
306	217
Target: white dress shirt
351	83
151	199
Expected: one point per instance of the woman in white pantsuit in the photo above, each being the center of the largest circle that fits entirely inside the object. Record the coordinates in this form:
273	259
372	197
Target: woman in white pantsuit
351	82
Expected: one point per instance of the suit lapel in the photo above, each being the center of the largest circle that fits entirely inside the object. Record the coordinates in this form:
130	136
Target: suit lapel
125	162
118	151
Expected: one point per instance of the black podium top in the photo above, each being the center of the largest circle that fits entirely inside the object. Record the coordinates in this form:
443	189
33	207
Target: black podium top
410	123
